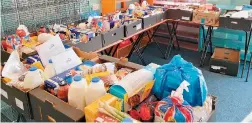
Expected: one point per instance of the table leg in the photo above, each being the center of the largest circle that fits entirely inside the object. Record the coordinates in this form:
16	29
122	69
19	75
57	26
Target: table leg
173	35
116	48
207	43
249	67
247	43
136	48
150	38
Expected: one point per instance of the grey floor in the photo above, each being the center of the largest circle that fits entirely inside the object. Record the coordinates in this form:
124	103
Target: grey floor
234	95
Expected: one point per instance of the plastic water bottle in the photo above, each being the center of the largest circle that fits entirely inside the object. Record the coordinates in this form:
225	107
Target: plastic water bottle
76	93
95	90
49	70
34	78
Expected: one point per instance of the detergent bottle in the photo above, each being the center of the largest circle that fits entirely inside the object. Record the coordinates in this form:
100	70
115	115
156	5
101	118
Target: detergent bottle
33	78
49	70
95	90
77	92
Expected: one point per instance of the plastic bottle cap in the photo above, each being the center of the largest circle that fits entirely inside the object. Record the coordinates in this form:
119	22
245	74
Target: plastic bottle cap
69	79
127	120
50	61
62	83
77	78
33	68
95	79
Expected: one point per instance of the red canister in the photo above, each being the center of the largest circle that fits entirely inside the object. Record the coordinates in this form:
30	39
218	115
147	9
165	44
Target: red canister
63	90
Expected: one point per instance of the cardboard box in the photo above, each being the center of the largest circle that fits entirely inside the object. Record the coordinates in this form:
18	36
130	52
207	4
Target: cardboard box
148	21
210	18
132	27
161	17
91	111
178	14
47	107
112	36
138	96
225	61
235	23
92	45
16	98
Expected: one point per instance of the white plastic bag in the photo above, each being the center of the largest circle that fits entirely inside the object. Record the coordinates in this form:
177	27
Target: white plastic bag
13	68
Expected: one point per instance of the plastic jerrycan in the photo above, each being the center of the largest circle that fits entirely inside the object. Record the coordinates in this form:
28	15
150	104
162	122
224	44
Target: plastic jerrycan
33	78
95	90
77	92
49	70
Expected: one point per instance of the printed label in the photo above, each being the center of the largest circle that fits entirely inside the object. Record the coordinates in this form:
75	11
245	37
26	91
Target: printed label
217	67
139	26
19	103
233	22
4	93
185	18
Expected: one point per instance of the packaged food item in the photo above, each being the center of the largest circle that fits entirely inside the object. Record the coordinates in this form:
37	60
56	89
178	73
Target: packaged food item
95	90
63	91
77	93
123	72
49	70
109	80
103	118
91	111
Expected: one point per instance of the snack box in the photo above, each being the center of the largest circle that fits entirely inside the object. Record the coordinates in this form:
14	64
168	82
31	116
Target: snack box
138	95
47	107
91	111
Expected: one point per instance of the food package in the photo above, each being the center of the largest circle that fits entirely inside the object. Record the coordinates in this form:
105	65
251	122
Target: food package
103	118
91	111
168	78
174	108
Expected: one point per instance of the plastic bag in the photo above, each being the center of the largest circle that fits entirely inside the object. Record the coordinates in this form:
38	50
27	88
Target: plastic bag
174	108
170	76
13	68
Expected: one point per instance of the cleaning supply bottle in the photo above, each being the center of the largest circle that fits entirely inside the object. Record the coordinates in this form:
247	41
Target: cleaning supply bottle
33	78
49	70
95	90
77	92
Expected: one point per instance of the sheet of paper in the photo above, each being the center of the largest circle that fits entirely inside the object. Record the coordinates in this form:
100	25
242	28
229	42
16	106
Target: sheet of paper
52	47
65	61
19	103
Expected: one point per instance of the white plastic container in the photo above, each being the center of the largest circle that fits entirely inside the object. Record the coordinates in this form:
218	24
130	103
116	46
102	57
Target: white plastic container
95	90
77	92
49	70
34	78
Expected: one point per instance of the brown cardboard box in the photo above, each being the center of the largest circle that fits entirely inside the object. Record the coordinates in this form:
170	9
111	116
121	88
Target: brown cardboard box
46	107
211	17
225	61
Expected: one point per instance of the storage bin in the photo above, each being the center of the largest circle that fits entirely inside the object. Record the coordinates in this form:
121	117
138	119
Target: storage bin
112	36
90	46
225	61
236	23
47	107
132	27
177	14
148	21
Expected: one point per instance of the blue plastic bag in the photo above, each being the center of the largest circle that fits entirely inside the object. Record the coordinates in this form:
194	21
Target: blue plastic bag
168	77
